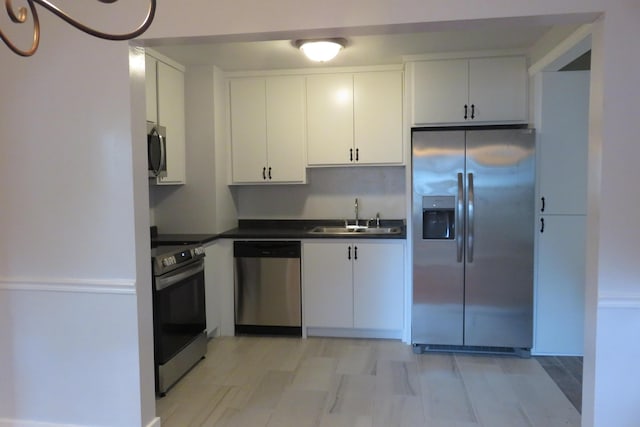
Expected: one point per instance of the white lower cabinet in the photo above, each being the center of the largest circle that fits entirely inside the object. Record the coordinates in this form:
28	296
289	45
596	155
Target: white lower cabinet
327	285
354	284
560	285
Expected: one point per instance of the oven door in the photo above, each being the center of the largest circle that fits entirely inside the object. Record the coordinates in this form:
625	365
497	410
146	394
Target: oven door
178	310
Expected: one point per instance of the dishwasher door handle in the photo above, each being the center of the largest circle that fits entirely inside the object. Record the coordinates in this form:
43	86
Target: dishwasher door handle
266	249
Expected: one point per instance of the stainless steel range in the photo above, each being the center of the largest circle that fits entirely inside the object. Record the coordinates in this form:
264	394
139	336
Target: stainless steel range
179	319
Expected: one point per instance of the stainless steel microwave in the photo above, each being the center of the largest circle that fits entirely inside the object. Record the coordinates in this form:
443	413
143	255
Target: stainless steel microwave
157	150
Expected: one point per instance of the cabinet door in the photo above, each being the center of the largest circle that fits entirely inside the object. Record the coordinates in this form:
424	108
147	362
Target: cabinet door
329	119
327	285
439	90
212	277
498	89
286	131
151	86
378	285
171	115
560	285
248	130
563	137
377	112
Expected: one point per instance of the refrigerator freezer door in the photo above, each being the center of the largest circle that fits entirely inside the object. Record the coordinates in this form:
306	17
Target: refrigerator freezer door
499	277
438	275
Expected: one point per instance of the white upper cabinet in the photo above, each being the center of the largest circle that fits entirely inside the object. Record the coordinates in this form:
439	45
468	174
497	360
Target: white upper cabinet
440	91
267	130
377	117
354	118
469	91
563	138
286	130
165	97
151	88
248	130
329	119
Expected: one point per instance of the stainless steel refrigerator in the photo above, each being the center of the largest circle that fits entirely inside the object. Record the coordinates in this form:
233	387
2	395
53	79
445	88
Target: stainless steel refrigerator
473	230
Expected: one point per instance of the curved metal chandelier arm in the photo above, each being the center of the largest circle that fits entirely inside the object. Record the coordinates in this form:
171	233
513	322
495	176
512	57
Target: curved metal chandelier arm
65	16
21	16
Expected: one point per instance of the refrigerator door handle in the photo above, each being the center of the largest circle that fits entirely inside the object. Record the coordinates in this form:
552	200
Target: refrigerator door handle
459	219
470	217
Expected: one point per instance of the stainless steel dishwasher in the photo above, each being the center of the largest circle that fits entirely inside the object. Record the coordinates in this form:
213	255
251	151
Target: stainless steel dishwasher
267	287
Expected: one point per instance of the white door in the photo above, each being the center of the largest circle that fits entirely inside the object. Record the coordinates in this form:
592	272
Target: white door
330	119
378	285
498	89
171	114
286	132
377	106
248	130
560	288
563	137
440	90
327	285
151	88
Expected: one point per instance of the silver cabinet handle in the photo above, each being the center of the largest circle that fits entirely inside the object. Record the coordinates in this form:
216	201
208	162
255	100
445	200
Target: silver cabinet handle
470	217
459	215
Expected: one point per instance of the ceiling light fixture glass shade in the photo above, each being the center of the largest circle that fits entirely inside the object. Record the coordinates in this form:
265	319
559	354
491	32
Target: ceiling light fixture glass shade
321	50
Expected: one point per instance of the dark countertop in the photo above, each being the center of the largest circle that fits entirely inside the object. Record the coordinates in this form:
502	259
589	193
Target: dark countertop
300	229
182	239
275	229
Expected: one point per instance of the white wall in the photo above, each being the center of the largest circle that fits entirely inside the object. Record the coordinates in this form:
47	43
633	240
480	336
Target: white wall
66	167
69	256
330	194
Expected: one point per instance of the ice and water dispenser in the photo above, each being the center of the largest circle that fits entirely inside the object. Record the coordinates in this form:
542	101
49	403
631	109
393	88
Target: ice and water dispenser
438	217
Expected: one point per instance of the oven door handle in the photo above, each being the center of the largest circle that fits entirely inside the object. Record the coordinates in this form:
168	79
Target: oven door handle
178	276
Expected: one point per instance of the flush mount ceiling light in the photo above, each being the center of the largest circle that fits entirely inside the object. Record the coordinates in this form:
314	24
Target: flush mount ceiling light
21	15
321	50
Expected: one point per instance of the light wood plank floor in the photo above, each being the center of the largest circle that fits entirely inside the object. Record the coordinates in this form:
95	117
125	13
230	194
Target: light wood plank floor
327	382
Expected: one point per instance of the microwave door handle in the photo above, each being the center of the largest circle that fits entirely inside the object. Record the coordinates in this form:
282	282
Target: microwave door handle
156	167
163	154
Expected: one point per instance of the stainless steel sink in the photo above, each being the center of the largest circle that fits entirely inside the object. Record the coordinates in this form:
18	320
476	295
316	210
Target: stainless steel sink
355	230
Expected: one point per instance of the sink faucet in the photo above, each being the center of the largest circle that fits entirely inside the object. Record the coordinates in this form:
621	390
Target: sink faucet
357	219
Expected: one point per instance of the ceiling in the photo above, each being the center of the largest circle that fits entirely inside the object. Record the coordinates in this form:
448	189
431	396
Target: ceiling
361	50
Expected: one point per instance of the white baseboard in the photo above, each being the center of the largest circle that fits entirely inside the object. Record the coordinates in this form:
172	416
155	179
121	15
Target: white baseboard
4	422
354	333
95	286
621	300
